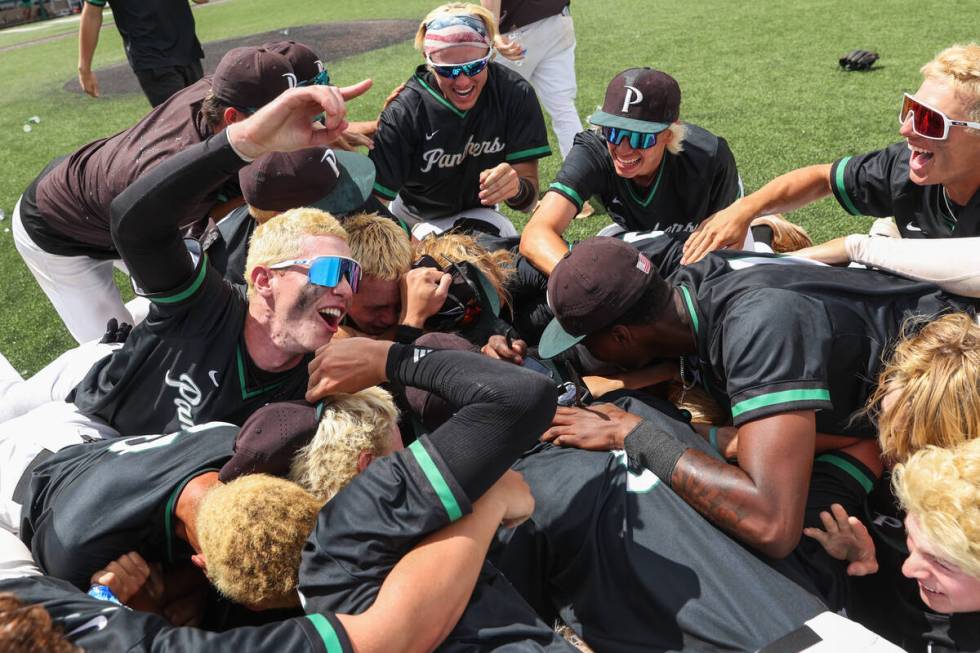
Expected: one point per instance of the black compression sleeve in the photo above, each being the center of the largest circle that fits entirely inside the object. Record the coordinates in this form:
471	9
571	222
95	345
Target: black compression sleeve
503	409
652	448
144	217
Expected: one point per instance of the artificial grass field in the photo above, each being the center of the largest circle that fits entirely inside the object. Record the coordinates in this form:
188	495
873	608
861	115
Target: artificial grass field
763	75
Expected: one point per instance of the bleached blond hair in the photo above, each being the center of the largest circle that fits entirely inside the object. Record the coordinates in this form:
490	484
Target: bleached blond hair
251	533
940	488
959	65
351	424
458	9
380	245
281	238
786	236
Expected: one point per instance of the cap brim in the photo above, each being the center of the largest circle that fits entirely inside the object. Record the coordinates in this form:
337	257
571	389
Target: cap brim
603	119
555	340
354	186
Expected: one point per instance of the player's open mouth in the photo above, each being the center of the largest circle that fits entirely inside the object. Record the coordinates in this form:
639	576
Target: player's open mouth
920	157
627	163
928	590
463	94
332	317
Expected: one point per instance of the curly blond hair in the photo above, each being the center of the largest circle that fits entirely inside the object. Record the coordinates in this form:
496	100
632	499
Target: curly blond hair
496	266
281	237
959	65
251	533
940	488
935	375
350	425
458	9
380	245
786	236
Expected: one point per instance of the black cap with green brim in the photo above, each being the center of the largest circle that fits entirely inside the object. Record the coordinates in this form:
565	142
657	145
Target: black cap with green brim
641	100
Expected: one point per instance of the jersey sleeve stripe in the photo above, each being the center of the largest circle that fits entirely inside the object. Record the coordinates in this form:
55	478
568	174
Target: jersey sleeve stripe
568	192
689	303
97	3
384	191
840	187
327	633
532	153
861	476
190	290
781	397
437	481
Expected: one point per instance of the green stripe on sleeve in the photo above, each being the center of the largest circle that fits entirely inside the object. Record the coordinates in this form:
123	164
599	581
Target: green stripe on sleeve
190	290
567	190
327	633
841	187
781	397
686	294
850	468
544	150
384	191
436	479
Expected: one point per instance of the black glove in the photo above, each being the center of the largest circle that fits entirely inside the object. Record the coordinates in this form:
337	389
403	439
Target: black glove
858	60
115	331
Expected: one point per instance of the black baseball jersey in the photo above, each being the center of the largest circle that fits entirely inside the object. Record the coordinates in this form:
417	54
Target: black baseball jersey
889	603
96	625
386	510
878	184
155	33
432	154
186	364
88	504
229	250
775	334
688	187
630	566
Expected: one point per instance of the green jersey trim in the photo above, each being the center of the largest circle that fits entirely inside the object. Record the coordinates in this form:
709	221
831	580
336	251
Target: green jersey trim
190	290
689	304
653	191
839	184
850	468
449	105
569	192
436	479
327	633
534	152
781	397
246	393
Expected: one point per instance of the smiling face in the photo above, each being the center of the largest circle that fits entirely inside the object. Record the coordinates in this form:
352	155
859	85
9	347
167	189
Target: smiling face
942	585
463	91
638	164
305	316
953	162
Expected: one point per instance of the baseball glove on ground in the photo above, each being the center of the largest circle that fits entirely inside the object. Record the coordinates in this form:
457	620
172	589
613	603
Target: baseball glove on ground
858	60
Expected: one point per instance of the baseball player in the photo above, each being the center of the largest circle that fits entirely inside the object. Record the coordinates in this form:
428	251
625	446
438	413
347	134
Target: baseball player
463	135
651	171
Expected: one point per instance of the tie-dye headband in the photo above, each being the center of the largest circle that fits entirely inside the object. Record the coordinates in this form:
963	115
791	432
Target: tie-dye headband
454	30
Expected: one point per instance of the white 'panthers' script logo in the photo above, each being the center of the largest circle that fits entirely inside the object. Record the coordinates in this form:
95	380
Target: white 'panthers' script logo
188	398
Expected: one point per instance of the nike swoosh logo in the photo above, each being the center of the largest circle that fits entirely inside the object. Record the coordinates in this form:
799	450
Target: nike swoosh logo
913	227
95	623
615	200
214	377
428	137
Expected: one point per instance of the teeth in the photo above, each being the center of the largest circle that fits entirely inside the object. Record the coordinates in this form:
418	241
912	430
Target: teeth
330	312
919	150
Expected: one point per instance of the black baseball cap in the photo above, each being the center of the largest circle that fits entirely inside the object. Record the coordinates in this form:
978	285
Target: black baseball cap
641	100
594	285
248	78
335	181
305	62
269	439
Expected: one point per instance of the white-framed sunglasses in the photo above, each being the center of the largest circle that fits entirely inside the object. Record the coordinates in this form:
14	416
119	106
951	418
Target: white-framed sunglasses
929	122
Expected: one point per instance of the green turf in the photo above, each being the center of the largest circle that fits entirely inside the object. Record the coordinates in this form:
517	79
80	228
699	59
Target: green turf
763	75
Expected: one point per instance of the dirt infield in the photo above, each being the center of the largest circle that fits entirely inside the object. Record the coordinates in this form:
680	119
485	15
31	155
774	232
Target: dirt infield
332	41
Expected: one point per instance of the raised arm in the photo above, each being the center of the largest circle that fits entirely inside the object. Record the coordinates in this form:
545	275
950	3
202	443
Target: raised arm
89	24
785	193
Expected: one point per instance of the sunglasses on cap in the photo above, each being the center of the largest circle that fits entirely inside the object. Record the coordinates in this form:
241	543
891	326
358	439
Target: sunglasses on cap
454	70
322	78
327	270
928	122
638	140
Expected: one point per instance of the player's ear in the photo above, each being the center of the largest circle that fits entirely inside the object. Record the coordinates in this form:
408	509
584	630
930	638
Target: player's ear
232	115
200	562
261	277
363	460
622	335
668	136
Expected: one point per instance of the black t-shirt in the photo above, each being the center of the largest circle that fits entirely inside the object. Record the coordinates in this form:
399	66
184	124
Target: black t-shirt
155	33
688	187
889	603
229	250
96	625
774	334
386	510
631	567
432	154
878	184
90	503
518	13
186	364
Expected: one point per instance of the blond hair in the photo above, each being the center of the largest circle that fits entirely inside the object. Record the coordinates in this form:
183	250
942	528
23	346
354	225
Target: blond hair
936	377
940	488
281	237
701	405
380	245
458	9
251	533
959	65
350	425
786	236
496	266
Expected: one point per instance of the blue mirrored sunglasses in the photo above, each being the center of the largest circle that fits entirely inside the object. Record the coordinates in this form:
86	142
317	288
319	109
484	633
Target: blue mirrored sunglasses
327	270
322	78
638	140
452	71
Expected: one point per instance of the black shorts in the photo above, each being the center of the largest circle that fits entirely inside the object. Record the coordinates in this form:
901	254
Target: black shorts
160	83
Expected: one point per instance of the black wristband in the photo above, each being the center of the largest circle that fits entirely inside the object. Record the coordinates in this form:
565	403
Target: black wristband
524	195
651	448
406	335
